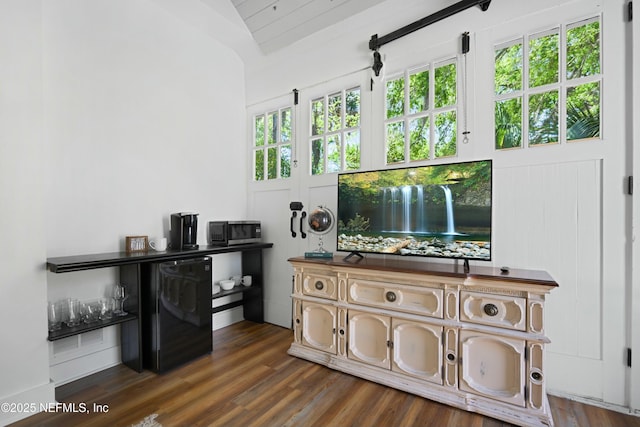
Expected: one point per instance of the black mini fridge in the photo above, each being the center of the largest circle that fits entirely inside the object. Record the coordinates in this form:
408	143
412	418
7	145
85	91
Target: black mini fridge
176	307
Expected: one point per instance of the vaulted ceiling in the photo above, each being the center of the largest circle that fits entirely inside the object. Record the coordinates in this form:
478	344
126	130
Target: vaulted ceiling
275	24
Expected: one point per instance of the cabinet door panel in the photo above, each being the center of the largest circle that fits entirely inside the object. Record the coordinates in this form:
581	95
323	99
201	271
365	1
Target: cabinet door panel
319	326
369	337
417	350
493	366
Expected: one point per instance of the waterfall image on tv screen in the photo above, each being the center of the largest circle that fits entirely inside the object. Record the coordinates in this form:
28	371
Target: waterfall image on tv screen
435	211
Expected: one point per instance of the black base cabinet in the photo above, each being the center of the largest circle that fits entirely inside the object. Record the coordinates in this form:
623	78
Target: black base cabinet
135	274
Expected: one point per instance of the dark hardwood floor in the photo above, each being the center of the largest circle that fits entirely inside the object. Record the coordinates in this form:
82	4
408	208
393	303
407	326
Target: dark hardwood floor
249	380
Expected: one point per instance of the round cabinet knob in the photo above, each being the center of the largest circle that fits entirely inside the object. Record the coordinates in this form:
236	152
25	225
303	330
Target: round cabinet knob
536	376
297	321
319	285
451	357
490	309
390	296
341	331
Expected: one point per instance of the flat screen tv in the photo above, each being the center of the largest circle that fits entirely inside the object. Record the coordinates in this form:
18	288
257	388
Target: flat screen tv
441	211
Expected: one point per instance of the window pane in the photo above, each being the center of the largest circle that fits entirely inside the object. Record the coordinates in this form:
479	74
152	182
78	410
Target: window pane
352	117
285	161
395	98
259	131
259	165
272	163
508	63
395	142
335	112
285	125
583	50
317	156
583	111
543	118
333	153
272	128
445	85
446	134
317	117
352	150
419	138
508	116
419	92
543	60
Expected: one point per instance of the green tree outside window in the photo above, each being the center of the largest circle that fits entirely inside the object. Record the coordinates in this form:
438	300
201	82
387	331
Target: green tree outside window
272	145
429	116
543	88
336	136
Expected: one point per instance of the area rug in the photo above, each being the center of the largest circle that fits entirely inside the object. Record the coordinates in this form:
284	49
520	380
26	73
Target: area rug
149	421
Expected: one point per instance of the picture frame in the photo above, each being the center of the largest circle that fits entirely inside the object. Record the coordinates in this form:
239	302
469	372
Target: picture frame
136	244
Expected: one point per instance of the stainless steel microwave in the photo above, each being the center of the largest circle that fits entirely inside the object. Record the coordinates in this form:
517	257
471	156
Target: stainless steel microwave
227	233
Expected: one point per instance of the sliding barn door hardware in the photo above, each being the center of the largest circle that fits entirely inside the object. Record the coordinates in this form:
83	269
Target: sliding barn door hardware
375	42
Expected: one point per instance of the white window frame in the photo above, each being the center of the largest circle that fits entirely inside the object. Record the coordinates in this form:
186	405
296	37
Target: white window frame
326	134
431	112
279	143
562	85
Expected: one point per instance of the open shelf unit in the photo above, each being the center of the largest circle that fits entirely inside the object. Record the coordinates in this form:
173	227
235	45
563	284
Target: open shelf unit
133	273
66	331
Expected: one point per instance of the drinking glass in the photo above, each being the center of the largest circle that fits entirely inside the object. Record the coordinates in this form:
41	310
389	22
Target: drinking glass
54	313
90	312
106	308
120	294
74	316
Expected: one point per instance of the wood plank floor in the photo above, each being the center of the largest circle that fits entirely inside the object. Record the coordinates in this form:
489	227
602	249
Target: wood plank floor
249	380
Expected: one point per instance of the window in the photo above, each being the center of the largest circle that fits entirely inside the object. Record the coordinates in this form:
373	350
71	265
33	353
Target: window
421	107
549	84
272	145
335	132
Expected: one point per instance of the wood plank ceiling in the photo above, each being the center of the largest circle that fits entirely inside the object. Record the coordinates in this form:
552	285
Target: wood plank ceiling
275	24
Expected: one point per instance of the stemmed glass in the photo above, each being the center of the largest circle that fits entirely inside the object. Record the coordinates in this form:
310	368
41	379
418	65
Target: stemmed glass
120	294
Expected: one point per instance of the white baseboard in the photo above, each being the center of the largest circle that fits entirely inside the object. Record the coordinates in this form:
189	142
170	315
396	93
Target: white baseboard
226	318
27	403
71	370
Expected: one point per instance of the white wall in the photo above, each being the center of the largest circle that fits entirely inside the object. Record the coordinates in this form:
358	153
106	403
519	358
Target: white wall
143	115
114	114
560	209
24	369
143	119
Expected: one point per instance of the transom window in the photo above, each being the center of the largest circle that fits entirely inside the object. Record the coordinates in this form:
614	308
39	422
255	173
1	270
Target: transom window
335	132
548	89
272	144
421	113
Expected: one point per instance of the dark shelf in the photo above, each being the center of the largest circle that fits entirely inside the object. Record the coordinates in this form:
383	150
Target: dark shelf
115	259
66	331
236	290
240	289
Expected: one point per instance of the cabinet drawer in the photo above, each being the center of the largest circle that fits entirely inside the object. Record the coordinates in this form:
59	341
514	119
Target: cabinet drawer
320	285
495	310
411	299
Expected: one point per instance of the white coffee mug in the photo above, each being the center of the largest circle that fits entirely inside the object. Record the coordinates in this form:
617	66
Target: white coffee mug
246	280
159	244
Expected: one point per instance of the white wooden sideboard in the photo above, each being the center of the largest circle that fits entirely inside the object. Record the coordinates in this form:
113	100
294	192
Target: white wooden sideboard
473	340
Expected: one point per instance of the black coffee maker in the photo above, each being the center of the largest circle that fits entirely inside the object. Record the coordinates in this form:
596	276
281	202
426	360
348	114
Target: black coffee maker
184	230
